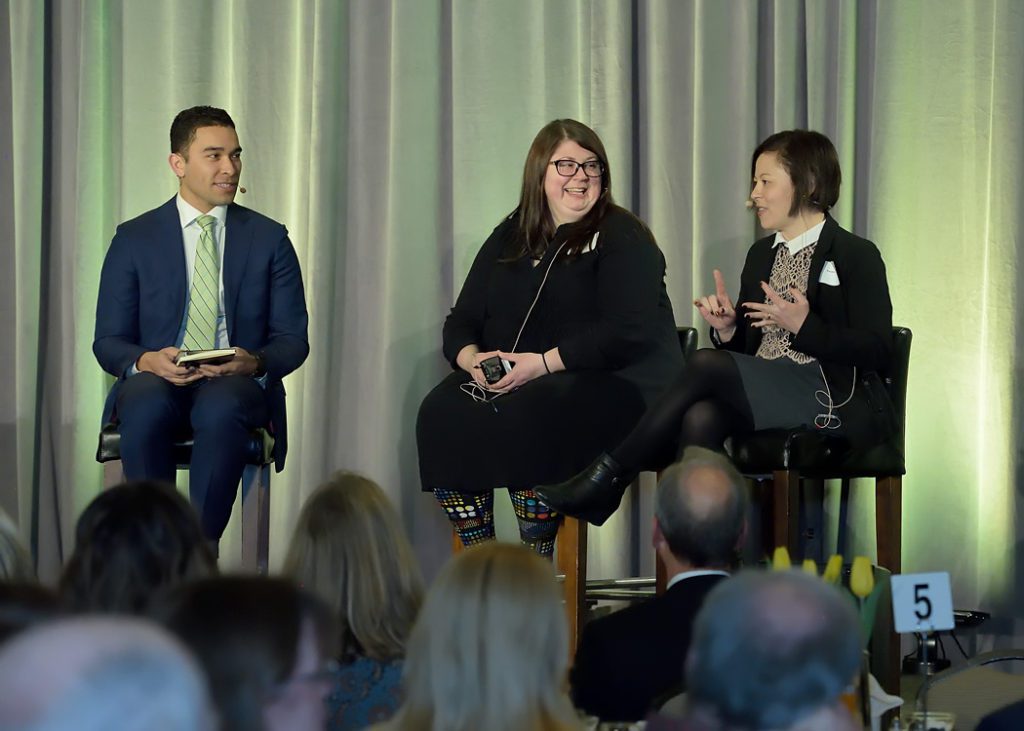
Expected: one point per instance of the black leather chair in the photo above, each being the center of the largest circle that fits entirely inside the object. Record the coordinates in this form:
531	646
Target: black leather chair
255	488
786	457
789	458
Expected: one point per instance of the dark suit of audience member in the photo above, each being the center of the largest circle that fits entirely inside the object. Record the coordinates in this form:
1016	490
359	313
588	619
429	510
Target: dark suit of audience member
200	272
1010	718
630	660
771	650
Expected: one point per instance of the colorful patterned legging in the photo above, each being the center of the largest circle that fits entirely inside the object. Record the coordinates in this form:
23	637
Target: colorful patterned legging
472	516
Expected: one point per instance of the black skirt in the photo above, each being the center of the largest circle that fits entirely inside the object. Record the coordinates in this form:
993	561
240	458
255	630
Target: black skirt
782	394
545	432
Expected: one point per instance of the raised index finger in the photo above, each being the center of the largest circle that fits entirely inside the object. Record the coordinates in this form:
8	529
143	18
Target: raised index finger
720	290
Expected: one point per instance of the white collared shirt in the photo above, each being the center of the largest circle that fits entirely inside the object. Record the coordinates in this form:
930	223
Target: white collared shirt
808	237
190	231
691	574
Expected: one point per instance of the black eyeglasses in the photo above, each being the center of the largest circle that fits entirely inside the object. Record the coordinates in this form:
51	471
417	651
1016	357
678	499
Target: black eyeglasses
567	168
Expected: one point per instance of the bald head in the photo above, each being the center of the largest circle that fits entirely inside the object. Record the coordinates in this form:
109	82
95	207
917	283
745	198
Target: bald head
772	648
701	508
111	673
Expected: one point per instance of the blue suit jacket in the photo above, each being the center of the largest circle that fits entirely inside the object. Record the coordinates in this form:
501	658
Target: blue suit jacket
142	299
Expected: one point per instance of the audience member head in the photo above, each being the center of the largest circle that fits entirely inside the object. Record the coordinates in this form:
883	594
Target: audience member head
349	549
24	604
489	649
700	513
773	650
811	160
101	674
132	541
15	560
262	643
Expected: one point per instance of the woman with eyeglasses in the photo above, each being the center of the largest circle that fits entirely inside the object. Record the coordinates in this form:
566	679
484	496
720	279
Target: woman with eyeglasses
561	336
802	346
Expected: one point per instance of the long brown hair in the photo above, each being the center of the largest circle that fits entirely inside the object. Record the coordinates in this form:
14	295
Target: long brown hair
535	222
350	550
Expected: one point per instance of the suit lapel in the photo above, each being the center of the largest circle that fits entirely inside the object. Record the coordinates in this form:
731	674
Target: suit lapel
237	241
169	246
822	253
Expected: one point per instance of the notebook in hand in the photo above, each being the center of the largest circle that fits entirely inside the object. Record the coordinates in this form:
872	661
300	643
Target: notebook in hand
204	357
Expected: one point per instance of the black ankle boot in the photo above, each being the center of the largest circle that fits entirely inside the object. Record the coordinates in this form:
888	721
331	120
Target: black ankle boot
593	494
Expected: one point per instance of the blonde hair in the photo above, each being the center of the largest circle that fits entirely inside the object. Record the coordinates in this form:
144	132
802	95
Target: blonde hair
15	560
490	648
349	548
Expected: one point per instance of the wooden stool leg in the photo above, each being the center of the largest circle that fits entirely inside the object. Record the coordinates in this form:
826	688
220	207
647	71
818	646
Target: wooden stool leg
888	546
571	560
786	511
888	521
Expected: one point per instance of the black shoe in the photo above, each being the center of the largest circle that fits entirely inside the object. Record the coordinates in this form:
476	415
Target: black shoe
593	494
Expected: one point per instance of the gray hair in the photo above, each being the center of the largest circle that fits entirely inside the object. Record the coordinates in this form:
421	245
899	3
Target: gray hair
702	534
101	674
137	690
770	648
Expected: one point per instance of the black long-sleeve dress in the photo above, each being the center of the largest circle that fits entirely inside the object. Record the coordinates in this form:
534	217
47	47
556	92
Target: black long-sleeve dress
608	313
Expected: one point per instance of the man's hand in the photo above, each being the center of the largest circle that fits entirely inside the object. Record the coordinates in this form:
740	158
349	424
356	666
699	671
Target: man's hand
243	364
161	363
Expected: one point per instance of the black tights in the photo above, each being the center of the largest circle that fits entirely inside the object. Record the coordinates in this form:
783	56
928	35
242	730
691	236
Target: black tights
705	405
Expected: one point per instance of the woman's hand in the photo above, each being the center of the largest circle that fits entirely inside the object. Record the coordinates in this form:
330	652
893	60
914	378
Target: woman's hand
778	311
717	309
469	359
525	367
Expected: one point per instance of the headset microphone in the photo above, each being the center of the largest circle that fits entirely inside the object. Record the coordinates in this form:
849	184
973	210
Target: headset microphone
749	203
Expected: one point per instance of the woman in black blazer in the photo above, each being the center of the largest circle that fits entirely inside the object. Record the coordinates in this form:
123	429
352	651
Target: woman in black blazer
813	331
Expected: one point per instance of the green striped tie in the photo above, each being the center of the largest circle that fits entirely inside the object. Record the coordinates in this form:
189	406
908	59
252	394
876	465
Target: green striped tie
201	329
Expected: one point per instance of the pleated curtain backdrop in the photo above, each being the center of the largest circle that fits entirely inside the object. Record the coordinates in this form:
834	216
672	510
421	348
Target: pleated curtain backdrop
389	136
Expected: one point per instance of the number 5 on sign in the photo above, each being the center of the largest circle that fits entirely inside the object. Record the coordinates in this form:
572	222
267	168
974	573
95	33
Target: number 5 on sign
922	602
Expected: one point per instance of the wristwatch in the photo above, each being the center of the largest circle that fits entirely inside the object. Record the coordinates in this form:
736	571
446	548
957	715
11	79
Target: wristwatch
261	365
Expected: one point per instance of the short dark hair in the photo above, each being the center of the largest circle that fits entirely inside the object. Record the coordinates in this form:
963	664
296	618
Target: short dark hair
811	160
184	126
132	541
23	604
245	631
771	647
702	539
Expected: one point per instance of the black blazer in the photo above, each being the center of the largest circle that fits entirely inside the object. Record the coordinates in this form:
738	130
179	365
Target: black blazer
631	658
849	326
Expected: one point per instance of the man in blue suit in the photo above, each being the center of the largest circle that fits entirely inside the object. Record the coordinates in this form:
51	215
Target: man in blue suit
200	272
